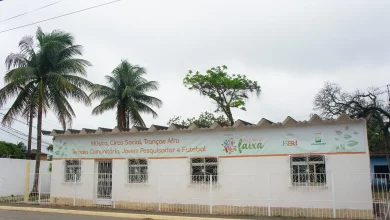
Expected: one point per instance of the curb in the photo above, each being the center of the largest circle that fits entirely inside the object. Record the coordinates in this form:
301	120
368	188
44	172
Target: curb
104	214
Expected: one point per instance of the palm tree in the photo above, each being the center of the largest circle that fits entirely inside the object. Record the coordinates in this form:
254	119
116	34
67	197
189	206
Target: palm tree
44	79
126	92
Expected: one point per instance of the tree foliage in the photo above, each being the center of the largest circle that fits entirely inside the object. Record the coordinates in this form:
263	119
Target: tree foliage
205	119
49	148
332	101
12	150
126	92
376	136
45	76
226	91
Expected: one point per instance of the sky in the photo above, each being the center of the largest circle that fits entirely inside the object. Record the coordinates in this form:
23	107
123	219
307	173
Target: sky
290	47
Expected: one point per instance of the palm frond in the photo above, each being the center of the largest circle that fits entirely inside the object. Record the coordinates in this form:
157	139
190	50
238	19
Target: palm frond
79	82
100	91
127	87
60	106
59	80
8	91
112	82
21	102
135	117
148	86
69	52
78	95
73	66
149	100
21	75
105	105
14	60
26	45
146	109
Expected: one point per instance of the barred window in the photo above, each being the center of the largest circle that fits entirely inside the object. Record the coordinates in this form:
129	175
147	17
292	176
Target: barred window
138	171
72	170
203	168
308	170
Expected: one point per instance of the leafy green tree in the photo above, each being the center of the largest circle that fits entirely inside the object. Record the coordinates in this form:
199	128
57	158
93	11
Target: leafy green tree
49	148
126	92
12	150
226	91
50	75
205	119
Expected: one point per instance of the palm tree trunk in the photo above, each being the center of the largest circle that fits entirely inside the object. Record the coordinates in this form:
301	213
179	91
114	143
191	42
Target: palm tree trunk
30	121
127	120
34	192
121	117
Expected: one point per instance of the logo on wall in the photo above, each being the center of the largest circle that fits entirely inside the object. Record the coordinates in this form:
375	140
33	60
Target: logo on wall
318	139
290	143
229	145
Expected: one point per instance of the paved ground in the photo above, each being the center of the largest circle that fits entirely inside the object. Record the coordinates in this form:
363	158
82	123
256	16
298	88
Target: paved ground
30	212
18	215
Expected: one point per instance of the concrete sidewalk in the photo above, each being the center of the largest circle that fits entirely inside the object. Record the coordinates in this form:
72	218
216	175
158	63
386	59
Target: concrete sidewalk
116	213
78	212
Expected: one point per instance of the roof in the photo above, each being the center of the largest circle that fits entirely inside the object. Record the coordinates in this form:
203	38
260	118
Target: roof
315	120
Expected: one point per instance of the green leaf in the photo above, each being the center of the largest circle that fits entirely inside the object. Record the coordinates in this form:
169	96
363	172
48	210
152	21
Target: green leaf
347	136
337	147
339	132
352	143
355	132
342	146
57	152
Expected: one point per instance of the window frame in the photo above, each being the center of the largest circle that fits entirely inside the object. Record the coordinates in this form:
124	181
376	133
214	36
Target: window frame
205	178
308	175
69	177
145	178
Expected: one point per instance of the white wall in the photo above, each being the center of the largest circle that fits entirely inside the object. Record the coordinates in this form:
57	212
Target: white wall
13	174
247	181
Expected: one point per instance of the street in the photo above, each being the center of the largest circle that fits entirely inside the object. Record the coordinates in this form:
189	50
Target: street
19	215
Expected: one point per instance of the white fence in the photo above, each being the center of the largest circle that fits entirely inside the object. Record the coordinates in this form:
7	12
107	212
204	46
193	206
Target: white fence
250	195
13	175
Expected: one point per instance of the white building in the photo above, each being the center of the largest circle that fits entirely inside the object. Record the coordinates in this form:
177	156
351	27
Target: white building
314	169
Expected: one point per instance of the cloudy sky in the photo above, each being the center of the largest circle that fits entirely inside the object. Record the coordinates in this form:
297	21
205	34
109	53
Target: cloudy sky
289	47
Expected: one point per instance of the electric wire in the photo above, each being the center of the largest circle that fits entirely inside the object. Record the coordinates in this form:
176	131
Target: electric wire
59	16
28	12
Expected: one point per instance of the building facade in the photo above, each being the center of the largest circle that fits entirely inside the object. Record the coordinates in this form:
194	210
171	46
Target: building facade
290	168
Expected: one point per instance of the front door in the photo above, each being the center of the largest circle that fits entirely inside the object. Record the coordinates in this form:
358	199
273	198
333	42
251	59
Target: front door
104	180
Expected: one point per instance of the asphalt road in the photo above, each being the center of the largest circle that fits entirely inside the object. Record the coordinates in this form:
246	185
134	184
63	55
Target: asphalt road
18	215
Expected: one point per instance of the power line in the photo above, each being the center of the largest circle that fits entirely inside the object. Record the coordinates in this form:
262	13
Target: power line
22	133
44	120
52	18
19	121
37	9
13	134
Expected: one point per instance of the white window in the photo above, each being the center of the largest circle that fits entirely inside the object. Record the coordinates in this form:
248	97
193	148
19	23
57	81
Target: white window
72	170
203	168
308	170
138	171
